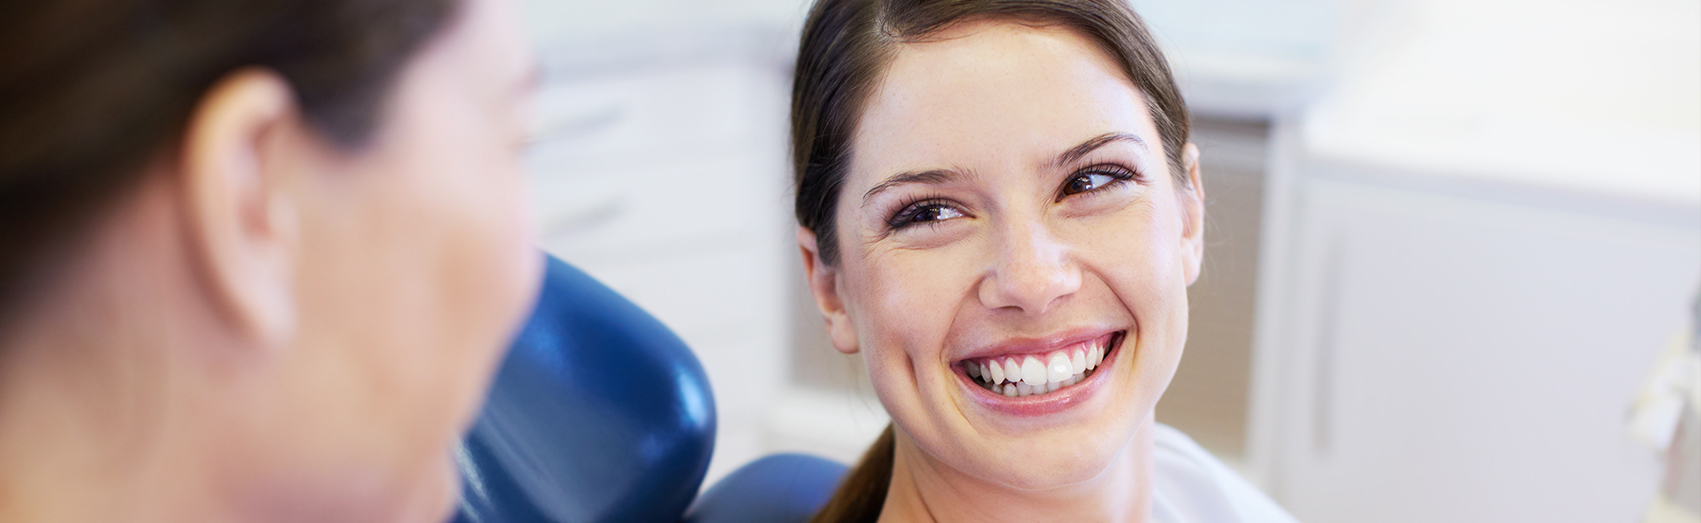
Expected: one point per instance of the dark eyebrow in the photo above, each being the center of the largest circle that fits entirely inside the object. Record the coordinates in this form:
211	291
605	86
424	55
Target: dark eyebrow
938	176
935	176
1076	152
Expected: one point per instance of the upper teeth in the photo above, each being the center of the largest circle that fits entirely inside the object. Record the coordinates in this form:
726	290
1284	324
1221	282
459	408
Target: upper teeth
1037	374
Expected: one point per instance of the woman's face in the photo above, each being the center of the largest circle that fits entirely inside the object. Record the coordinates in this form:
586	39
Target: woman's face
1008	215
415	267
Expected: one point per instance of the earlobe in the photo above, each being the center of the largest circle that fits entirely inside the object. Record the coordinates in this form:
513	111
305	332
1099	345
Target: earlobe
824	285
1193	215
240	219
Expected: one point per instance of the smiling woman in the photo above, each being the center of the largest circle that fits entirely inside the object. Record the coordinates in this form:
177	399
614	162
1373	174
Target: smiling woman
1000	211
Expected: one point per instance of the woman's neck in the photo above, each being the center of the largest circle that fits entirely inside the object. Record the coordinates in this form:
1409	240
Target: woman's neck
95	421
924	489
72	447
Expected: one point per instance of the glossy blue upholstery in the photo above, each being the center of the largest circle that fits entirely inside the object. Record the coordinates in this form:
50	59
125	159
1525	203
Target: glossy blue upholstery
598	414
781	488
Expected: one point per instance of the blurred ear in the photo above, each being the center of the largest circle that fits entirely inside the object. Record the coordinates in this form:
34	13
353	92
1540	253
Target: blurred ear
240	222
1192	214
824	284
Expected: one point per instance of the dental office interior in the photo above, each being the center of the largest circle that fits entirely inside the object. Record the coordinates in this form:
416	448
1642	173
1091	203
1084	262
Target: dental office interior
1453	246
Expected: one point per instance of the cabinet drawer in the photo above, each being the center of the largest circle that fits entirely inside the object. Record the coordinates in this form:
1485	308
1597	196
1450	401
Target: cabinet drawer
638	113
649	206
694	290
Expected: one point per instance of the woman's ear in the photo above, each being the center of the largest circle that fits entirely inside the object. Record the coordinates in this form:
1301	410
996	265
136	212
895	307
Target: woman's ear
240	220
1192	214
824	285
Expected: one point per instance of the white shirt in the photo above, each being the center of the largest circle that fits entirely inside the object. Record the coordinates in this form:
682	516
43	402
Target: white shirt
1192	486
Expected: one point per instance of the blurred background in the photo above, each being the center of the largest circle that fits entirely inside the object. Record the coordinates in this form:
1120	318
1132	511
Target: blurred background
1448	239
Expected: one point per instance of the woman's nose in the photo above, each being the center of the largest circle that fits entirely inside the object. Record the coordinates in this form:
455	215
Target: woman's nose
1033	271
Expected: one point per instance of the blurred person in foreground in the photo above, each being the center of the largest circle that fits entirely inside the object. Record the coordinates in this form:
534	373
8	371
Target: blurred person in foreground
1001	211
258	259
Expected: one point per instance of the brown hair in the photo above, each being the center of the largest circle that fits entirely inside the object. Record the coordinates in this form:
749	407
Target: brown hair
845	47
91	90
863	492
846	44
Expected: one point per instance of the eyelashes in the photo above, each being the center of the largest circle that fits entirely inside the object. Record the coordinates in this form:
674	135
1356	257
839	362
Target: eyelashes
926	210
1095	178
933	209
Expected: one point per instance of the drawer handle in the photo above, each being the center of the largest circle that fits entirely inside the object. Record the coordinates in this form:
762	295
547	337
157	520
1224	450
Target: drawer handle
579	125
584	218
1323	359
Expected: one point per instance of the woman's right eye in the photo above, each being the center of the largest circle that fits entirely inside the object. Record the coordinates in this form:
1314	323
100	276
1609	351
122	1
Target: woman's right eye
923	213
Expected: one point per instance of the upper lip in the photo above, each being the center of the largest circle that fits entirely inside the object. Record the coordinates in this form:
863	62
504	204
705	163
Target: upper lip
1040	345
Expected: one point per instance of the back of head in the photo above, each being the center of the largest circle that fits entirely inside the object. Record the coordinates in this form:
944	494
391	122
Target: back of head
258	258
92	90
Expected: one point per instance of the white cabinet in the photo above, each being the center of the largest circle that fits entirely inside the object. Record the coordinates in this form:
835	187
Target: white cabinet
1453	351
666	179
1475	246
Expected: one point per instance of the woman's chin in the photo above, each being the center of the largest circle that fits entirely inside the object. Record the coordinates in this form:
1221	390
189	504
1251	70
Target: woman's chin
1045	459
1058	456
1049	469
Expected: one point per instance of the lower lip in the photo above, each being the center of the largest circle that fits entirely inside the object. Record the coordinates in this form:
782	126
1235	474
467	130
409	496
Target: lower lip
1043	404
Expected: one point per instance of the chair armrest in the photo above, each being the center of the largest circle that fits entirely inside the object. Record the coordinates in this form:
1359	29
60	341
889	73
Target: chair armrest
780	488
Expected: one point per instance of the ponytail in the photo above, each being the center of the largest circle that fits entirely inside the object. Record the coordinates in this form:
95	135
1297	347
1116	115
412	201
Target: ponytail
862	495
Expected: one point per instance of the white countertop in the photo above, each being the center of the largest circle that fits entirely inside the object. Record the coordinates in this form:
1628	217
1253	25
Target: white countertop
1582	96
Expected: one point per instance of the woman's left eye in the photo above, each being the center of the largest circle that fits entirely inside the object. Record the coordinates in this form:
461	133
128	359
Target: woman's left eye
1086	182
1095	178
923	212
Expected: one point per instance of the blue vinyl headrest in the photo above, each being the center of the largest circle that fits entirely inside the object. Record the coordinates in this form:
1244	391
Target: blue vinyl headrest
599	413
779	488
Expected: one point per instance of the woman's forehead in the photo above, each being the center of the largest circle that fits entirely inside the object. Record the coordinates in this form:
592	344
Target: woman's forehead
994	92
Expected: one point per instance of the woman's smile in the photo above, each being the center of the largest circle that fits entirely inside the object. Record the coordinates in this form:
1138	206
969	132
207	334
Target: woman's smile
1016	370
1026	378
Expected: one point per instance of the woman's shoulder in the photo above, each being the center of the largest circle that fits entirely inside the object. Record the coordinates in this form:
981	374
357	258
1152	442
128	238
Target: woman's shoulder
1192	486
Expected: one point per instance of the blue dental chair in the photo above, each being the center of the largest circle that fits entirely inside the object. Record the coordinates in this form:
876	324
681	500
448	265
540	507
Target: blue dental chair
601	414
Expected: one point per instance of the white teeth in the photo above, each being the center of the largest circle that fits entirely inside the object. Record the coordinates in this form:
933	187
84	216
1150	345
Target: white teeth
1033	372
1057	368
1027	375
